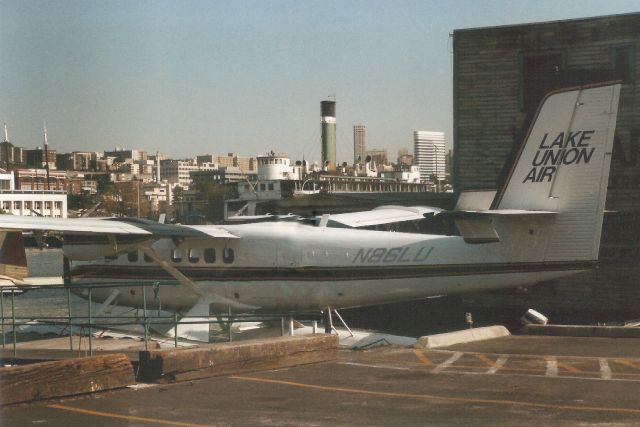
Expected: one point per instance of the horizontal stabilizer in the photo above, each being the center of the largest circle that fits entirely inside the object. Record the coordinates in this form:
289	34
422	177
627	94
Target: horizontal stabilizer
477	226
494	212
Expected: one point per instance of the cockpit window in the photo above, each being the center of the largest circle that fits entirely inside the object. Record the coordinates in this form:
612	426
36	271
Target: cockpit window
176	255
194	255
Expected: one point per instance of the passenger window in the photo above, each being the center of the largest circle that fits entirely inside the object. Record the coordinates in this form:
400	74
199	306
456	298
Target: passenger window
227	255
210	255
194	255
176	255
132	256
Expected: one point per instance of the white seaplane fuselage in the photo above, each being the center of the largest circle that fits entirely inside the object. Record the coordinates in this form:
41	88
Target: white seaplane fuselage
288	266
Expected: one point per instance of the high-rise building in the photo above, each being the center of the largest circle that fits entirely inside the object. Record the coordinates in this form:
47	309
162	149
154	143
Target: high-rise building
429	154
359	134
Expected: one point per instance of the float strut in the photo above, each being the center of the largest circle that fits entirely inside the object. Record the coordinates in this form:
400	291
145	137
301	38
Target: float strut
328	323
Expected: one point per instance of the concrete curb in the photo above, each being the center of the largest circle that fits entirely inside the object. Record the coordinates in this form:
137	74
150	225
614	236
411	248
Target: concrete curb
64	378
460	337
579	331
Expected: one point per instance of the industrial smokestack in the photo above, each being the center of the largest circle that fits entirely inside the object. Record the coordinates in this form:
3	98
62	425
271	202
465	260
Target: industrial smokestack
328	123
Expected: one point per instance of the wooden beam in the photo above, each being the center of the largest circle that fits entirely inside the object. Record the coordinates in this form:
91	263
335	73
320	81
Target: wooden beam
233	358
64	378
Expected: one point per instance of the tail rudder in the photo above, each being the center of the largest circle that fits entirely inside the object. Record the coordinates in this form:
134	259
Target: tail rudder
563	166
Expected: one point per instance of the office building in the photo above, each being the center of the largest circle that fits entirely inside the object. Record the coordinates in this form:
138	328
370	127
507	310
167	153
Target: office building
429	154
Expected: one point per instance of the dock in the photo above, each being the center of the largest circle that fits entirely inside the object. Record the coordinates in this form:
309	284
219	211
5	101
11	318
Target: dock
555	380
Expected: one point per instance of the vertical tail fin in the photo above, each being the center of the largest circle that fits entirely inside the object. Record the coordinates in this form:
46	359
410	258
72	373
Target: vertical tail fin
563	166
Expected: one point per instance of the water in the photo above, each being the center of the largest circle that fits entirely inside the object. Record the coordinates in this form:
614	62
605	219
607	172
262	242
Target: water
44	302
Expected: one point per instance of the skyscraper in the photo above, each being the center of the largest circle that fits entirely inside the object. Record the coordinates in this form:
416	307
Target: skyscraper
429	154
359	134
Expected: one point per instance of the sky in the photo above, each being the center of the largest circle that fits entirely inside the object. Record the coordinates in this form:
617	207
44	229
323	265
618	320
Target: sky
214	77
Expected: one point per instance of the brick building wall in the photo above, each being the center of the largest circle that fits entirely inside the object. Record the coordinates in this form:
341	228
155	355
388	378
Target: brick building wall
500	75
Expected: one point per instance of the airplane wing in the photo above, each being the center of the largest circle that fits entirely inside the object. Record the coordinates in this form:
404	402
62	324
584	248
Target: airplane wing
15	264
109	226
381	215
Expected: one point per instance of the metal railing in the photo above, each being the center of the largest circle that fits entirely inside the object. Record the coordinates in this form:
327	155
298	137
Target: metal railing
73	324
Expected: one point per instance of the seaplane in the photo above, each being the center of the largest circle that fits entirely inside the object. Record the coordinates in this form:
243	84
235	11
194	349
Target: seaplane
544	223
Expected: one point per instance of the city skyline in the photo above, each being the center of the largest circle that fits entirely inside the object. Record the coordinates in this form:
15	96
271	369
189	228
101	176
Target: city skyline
197	77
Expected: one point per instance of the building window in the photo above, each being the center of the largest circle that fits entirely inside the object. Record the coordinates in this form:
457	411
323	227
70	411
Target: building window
47	205
38	205
262	187
6	206
27	205
17	205
210	255
271	187
58	205
623	63
539	75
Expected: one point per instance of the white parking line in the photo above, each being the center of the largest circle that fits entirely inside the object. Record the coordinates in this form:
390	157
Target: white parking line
552	367
498	364
369	365
444	365
605	370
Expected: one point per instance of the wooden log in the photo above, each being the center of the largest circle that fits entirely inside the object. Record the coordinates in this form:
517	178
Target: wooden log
64	378
233	358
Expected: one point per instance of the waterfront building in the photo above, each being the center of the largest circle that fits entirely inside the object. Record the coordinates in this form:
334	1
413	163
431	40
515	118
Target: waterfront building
49	203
